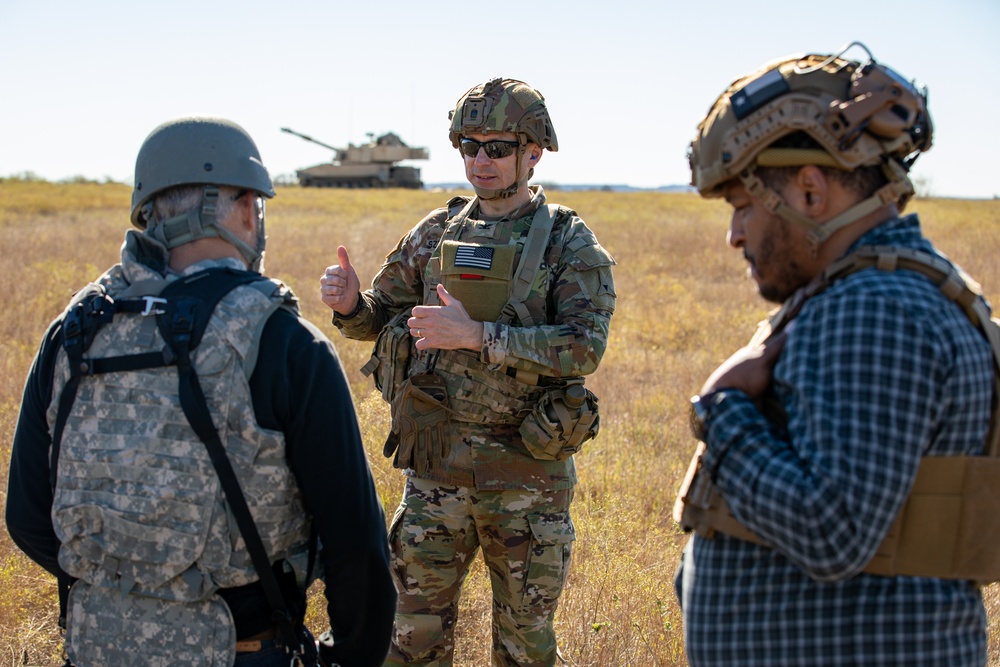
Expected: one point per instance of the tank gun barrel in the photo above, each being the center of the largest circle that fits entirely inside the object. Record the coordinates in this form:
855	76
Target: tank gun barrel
308	138
370	165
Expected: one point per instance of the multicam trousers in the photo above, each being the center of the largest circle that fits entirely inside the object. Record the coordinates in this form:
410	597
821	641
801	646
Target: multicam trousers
525	537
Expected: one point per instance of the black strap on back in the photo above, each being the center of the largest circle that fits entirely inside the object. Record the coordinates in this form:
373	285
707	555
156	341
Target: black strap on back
183	310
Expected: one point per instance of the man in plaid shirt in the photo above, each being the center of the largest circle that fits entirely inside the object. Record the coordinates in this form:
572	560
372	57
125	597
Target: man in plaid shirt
813	437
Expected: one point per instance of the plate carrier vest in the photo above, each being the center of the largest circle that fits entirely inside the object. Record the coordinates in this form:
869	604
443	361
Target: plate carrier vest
151	520
947	527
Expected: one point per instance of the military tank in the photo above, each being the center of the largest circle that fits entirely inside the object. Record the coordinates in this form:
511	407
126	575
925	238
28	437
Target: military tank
371	165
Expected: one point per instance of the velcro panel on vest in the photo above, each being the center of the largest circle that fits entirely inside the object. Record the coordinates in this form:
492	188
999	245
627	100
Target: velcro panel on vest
478	276
948	526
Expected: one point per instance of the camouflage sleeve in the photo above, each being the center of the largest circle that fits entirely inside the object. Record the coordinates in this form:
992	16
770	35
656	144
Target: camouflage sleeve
399	284
582	296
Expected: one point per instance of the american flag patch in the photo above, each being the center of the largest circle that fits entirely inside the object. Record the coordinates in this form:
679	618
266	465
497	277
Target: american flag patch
474	256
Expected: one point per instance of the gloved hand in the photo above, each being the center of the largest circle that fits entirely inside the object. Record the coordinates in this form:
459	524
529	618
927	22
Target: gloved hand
420	423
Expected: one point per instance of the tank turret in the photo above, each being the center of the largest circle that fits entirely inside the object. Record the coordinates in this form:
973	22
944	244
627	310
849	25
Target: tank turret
371	165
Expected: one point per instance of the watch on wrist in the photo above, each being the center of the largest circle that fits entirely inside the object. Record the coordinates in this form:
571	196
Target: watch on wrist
353	313
699	413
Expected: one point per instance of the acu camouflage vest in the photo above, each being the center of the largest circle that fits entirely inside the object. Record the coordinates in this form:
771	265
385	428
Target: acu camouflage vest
138	506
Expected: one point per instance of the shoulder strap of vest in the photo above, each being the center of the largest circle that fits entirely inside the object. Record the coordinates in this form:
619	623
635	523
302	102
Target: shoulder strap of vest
187	305
458	212
953	283
531	260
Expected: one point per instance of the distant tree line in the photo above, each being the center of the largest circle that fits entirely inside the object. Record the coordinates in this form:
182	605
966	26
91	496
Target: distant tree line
32	177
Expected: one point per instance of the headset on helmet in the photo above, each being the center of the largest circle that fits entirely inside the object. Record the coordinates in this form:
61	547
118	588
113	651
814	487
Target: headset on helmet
860	114
212	152
503	105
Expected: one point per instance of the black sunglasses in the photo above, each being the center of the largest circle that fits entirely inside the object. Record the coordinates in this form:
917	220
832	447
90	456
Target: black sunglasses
495	149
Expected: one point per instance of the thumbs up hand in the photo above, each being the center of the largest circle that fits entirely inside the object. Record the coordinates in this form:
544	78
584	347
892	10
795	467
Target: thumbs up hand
340	288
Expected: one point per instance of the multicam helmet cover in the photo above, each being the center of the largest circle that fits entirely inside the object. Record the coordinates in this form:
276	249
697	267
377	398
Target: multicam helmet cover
504	105
860	114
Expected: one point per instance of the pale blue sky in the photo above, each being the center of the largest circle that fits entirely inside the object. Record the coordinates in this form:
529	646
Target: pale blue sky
626	81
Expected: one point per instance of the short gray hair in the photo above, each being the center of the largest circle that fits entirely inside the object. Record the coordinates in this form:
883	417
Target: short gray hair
181	199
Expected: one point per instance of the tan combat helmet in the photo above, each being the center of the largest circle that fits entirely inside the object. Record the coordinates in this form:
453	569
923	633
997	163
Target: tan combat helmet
861	114
504	105
198	151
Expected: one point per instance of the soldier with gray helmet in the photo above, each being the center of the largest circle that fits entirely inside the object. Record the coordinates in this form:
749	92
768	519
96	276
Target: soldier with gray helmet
831	524
169	464
486	317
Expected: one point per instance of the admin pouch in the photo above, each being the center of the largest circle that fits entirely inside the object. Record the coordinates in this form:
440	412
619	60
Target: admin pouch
149	631
947	527
479	276
563	419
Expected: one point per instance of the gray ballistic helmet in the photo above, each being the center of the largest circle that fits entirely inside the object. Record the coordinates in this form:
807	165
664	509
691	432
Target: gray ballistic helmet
193	151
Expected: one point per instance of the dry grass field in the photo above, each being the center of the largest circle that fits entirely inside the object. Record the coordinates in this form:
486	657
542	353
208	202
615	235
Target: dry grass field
684	304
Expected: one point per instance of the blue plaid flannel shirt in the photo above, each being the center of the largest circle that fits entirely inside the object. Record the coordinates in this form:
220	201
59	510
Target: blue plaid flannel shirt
877	371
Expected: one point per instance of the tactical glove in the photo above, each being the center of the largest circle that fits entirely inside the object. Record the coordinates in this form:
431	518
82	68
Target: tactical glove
420	424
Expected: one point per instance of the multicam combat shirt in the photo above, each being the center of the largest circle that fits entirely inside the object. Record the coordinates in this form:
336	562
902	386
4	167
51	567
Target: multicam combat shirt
573	296
878	370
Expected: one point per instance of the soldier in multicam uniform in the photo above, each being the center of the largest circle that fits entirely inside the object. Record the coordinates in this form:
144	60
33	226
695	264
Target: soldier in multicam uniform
484	330
134	512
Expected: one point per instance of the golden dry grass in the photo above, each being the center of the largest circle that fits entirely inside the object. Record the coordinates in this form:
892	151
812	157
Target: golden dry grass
684	305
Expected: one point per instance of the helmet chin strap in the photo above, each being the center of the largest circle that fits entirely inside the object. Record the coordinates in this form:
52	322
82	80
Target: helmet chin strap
199	223
898	188
488	195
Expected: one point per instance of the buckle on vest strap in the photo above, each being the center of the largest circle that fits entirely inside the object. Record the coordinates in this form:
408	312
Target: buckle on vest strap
152	301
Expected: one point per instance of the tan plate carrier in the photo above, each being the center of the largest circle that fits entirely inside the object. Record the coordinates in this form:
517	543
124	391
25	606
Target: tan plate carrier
948	526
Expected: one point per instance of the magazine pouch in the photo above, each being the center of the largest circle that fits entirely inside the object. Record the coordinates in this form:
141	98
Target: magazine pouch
563	419
390	360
